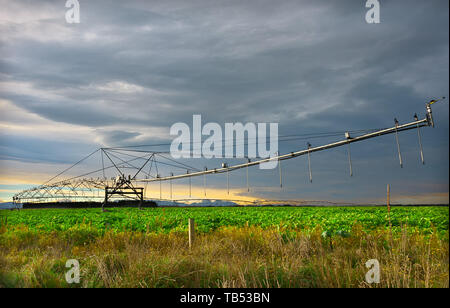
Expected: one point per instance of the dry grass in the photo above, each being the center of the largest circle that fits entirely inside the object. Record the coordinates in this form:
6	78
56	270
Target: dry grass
228	257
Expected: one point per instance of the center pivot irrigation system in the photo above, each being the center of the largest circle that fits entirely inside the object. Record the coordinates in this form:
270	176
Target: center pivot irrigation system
144	165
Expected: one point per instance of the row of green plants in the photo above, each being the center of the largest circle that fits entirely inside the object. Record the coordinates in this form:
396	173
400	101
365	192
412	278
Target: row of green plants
334	220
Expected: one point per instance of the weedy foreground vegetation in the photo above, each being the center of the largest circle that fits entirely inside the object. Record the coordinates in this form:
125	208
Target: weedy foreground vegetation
234	247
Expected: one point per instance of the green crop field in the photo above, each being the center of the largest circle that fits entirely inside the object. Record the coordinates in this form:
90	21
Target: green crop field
163	220
233	247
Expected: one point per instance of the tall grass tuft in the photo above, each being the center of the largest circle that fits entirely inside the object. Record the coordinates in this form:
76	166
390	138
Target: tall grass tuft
237	257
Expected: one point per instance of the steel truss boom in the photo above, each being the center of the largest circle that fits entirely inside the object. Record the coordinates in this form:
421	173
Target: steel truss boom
427	121
80	187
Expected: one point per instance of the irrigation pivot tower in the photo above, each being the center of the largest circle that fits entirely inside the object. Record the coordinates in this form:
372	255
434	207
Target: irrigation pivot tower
104	189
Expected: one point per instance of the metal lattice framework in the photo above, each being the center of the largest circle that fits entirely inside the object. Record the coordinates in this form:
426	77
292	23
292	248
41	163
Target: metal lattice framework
143	164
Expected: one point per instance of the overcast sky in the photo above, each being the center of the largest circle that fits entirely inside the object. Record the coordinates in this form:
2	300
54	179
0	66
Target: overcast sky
131	69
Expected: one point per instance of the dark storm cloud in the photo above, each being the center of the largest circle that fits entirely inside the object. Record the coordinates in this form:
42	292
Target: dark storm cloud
29	149
309	65
203	62
118	137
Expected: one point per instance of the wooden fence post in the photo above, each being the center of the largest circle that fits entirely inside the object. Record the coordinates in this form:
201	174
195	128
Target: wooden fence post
191	232
388	202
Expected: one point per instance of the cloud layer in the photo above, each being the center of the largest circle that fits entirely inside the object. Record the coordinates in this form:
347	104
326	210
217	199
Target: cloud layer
131	69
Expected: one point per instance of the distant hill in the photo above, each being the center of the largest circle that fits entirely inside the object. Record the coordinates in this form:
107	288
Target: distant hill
201	203
9	205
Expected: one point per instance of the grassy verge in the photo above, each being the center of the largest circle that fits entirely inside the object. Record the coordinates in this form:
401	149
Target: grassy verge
248	256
